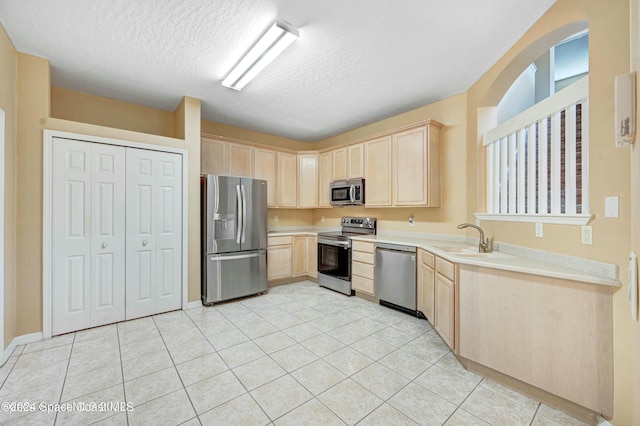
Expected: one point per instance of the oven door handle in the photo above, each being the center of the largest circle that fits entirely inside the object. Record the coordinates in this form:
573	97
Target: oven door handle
344	244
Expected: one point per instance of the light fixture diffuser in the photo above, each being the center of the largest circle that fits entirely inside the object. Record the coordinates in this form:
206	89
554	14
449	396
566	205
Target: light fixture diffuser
270	45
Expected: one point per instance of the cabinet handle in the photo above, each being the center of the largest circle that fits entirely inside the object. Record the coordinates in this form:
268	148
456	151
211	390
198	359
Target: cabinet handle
145	242
104	245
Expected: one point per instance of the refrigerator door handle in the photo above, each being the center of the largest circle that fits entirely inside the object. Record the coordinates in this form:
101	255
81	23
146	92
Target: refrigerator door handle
238	213
244	211
238	256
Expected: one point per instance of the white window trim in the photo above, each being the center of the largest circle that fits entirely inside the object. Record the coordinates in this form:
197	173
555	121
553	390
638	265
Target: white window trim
564	219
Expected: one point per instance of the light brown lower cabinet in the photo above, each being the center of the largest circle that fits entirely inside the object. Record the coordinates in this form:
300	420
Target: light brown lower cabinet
279	257
362	267
305	256
426	284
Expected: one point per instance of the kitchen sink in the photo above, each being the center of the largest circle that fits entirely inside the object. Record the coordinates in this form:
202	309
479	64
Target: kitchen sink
472	252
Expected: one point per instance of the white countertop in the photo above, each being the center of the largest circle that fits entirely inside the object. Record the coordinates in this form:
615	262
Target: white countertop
503	261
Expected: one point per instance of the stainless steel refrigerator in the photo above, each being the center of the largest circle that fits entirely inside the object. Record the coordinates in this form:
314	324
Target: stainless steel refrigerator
234	237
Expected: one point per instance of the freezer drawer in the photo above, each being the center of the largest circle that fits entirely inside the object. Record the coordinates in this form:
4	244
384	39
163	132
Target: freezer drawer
232	275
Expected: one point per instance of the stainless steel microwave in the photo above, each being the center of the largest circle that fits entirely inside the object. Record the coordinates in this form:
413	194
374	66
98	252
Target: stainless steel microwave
347	192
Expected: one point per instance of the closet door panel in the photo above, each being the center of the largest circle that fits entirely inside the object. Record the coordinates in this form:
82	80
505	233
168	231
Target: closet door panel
107	234
169	232
71	236
140	232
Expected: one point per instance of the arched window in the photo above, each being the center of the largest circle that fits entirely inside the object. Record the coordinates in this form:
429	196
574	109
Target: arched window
537	156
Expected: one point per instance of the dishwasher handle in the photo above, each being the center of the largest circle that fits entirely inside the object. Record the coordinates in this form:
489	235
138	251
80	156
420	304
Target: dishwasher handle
395	247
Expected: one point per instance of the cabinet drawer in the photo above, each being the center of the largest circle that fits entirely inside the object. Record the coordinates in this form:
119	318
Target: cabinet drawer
363	257
278	241
445	268
426	258
364	246
362	284
362	269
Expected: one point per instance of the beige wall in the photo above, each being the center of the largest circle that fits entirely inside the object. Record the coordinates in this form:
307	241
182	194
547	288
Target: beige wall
635	200
85	108
8	91
33	118
218	129
609	167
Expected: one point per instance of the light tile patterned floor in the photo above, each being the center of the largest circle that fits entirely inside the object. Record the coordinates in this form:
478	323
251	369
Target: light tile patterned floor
298	355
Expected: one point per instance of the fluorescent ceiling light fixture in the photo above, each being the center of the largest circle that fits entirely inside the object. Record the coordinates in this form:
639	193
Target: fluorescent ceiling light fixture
272	44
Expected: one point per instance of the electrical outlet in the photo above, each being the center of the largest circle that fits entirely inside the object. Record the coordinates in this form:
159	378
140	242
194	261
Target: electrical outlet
477	222
587	235
275	219
411	221
539	230
322	219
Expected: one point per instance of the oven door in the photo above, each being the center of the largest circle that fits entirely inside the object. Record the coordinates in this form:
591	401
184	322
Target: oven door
334	259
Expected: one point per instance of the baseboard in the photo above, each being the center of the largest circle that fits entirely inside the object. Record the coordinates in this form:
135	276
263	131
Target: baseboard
25	339
192	305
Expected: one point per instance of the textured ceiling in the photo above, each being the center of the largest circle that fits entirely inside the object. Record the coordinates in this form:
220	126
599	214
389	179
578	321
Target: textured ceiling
355	62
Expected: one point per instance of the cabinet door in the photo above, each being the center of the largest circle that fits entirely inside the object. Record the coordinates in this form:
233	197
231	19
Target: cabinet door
213	157
410	167
377	172
325	175
279	262
444	309
240	160
312	256
265	166
299	256
340	164
426	289
355	159
308	180
154	232
286	195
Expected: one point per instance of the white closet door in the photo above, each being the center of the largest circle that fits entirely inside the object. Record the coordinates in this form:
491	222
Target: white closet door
107	234
169	232
71	242
154	232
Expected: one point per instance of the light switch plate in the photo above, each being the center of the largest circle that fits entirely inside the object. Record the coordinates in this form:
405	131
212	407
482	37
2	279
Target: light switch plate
587	235
611	206
539	230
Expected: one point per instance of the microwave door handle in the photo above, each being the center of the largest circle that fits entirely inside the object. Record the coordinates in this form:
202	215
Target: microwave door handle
352	189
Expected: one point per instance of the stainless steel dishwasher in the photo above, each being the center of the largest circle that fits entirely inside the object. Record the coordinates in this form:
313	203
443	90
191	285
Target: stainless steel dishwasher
395	276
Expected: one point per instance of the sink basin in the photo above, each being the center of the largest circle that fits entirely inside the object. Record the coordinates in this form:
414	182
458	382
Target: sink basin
472	252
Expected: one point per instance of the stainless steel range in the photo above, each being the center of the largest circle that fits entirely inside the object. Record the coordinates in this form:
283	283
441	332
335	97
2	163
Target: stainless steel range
334	252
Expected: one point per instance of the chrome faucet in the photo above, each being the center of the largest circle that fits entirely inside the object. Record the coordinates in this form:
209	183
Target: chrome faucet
483	245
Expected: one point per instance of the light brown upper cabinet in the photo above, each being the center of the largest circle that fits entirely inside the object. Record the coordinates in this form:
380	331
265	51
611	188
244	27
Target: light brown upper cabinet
308	180
377	172
225	158
287	189
265	167
339	164
416	166
325	175
355	160
213	157
240	160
